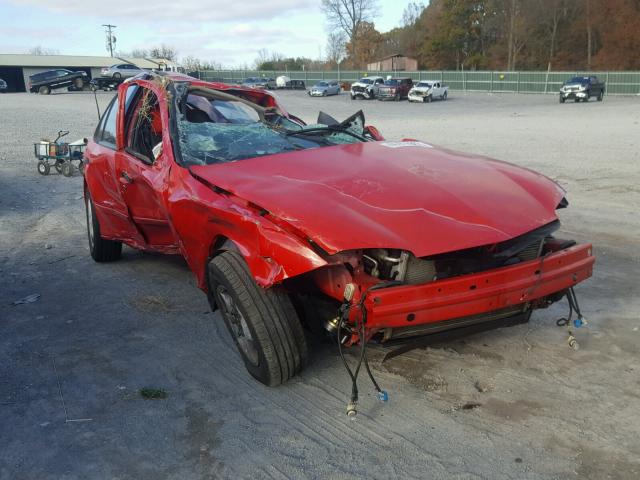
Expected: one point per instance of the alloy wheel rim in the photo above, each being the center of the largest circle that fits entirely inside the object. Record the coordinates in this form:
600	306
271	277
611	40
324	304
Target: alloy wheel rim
90	223
239	326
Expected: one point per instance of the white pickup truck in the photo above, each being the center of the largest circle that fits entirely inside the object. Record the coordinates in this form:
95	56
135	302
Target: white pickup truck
366	87
427	90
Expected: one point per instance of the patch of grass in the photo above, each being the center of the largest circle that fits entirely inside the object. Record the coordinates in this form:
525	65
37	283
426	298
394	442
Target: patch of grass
153	393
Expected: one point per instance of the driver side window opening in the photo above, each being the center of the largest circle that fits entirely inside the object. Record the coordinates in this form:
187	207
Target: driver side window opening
145	127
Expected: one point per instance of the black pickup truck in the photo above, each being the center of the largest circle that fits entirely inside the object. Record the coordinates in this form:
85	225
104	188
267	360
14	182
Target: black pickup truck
44	82
582	88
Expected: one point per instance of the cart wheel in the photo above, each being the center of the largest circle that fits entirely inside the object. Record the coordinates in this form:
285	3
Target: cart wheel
58	166
43	168
44	90
67	169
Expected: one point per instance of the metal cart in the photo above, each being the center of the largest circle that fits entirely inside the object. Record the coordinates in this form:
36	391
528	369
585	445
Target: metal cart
60	155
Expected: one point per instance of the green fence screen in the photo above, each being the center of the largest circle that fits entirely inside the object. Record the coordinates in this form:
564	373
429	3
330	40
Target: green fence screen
617	83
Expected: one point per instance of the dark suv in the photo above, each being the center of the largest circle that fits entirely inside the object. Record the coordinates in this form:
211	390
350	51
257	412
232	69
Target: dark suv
395	89
582	88
44	82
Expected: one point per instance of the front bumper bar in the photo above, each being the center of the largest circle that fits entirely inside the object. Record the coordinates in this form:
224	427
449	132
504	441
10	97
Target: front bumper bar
479	293
575	94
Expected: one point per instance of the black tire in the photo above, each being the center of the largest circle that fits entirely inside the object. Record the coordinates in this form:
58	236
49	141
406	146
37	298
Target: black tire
101	250
353	97
601	95
562	99
444	96
576	99
117	76
43	168
67	169
78	83
58	166
44	90
263	323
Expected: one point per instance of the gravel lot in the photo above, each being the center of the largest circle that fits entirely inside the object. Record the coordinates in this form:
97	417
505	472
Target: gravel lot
73	361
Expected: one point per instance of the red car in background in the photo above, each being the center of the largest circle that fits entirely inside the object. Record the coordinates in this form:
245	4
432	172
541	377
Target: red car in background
290	227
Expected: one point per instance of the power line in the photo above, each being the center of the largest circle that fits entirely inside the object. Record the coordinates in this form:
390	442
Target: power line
111	39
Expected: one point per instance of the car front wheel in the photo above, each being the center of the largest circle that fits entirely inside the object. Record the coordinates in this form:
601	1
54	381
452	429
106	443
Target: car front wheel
117	75
101	250
263	323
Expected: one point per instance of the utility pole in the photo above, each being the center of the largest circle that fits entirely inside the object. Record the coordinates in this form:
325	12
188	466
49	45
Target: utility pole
111	39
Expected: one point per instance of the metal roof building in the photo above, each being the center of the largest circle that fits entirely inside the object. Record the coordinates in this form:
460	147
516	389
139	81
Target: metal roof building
15	69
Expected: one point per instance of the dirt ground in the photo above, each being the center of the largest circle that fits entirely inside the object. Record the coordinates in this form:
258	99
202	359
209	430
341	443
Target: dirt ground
516	403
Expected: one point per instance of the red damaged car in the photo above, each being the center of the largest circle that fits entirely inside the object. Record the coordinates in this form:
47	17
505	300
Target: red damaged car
292	228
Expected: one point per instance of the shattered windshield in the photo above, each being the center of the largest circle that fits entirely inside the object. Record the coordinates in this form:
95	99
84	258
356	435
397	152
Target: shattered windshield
215	127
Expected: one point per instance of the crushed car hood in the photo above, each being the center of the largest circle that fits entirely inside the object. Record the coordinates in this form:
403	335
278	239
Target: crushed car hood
405	195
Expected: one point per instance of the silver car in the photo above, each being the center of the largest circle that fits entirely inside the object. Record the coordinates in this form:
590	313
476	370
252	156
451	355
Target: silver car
324	88
121	70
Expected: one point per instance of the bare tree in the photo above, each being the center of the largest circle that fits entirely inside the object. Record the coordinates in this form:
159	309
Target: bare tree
40	50
139	53
164	51
335	46
346	16
411	14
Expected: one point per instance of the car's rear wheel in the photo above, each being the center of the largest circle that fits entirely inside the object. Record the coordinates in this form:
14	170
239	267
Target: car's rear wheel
58	166
101	250
263	323
44	90
600	96
444	96
78	83
117	75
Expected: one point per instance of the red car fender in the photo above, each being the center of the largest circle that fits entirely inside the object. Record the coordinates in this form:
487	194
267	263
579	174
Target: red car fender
205	219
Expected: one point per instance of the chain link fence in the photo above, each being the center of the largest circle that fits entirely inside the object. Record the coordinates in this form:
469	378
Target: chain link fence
617	83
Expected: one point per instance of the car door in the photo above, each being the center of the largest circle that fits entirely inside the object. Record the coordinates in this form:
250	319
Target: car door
58	78
142	167
102	181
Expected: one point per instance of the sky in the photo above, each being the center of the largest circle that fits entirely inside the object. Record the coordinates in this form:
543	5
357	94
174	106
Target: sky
228	33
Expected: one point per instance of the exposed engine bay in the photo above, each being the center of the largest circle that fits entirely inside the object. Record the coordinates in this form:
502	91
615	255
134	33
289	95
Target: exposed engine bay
401	266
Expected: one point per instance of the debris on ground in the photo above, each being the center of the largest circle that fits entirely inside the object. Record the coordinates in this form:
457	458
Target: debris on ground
28	299
153	393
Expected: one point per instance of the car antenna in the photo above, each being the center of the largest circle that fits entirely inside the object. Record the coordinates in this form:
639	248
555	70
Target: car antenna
95	96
